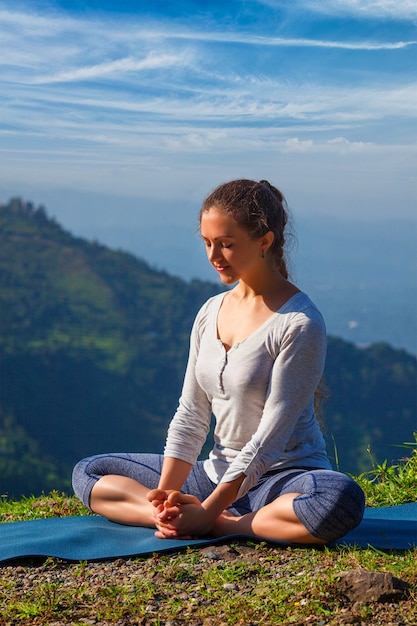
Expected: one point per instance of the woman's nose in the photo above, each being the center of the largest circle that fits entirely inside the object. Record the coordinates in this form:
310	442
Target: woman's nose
213	253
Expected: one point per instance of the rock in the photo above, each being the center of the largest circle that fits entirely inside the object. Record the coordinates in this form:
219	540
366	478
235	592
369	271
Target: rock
359	585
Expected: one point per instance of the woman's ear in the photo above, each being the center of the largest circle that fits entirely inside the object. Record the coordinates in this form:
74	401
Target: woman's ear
267	240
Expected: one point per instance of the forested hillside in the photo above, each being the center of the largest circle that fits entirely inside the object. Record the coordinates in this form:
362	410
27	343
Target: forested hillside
93	345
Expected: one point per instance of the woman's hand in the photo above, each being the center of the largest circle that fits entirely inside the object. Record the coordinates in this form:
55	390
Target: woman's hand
178	515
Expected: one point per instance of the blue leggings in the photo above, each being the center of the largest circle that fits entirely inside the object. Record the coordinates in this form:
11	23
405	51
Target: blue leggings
330	506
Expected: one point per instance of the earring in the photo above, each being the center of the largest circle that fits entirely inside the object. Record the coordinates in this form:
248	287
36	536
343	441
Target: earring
262	253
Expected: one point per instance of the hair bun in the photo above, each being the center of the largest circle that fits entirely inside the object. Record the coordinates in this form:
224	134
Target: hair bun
272	189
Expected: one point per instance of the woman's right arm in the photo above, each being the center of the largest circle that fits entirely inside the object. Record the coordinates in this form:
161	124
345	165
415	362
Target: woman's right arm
190	425
186	433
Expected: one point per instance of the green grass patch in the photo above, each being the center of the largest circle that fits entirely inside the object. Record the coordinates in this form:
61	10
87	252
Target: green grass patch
387	485
53	504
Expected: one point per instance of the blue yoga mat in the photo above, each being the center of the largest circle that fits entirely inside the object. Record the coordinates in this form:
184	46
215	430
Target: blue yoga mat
92	538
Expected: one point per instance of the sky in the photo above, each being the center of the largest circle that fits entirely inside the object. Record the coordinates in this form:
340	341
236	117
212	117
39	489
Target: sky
134	111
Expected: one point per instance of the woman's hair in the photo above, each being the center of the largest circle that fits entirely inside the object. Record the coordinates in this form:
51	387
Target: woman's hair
258	207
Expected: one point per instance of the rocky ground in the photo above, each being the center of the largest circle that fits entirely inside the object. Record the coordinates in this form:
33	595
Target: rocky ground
214	586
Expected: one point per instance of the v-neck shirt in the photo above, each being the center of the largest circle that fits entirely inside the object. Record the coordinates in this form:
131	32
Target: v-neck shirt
260	391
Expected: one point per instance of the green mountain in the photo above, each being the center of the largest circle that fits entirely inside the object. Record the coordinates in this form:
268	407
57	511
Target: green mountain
93	345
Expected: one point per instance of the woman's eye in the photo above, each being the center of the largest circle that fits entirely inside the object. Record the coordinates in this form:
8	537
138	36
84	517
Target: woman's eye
223	245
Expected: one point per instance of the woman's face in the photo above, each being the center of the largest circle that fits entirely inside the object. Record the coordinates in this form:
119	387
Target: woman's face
230	250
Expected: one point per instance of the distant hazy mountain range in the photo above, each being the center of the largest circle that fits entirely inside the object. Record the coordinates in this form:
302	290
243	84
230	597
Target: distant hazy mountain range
93	345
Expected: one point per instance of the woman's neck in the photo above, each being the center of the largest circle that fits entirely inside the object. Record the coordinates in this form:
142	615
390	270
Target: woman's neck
269	285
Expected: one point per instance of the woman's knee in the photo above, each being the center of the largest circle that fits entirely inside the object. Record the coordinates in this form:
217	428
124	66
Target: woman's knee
143	468
332	504
83	482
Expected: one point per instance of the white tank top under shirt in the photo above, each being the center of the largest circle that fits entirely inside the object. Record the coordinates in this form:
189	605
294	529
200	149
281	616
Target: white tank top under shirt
260	391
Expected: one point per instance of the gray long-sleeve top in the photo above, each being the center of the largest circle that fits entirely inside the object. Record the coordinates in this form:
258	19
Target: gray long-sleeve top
261	393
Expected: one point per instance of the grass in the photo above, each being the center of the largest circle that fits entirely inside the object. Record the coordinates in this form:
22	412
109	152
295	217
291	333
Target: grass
254	583
387	485
53	504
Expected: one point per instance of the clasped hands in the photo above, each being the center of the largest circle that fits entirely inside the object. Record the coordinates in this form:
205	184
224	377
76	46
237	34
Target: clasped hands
179	516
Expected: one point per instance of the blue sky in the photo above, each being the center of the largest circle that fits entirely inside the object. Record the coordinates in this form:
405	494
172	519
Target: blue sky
133	111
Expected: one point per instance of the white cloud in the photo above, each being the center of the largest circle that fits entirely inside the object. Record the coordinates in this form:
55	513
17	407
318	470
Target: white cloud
296	145
117	67
30	22
394	9
264	40
336	145
344	145
248	39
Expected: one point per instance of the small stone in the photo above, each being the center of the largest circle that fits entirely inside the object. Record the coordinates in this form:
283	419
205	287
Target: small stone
212	555
229	587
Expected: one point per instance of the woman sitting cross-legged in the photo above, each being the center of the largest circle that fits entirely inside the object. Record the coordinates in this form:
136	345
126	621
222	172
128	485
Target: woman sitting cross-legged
257	355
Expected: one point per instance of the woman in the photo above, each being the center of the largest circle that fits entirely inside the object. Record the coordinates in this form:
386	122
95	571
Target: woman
256	358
